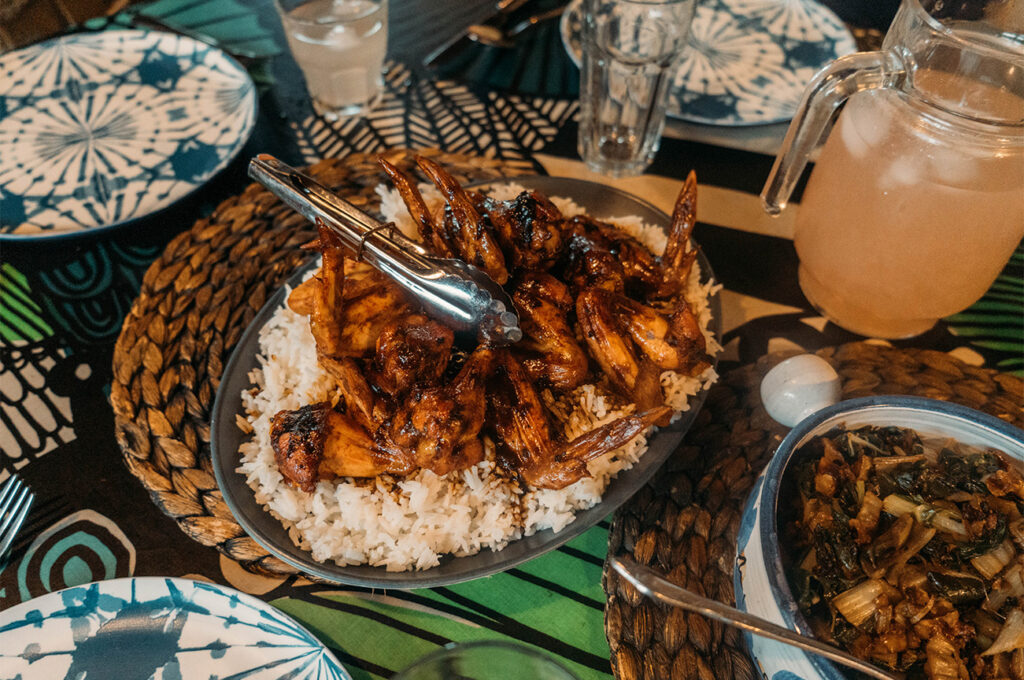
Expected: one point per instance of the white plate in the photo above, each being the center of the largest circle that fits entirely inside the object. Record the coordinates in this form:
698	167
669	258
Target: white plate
748	61
155	627
100	129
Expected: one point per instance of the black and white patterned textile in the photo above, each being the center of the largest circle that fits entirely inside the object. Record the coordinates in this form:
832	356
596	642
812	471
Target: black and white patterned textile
418	112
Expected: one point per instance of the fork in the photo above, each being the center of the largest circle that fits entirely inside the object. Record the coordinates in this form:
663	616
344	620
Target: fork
15	500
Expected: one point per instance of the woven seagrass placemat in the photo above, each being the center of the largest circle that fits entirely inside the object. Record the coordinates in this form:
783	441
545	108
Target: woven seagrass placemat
196	300
684	522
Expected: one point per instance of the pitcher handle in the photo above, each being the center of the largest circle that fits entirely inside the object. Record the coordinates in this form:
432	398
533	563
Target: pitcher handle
829	88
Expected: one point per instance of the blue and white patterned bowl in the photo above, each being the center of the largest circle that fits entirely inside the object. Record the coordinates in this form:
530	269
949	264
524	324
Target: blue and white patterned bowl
153	627
100	129
748	61
759	581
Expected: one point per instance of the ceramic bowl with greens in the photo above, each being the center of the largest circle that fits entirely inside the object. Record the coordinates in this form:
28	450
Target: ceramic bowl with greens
891	527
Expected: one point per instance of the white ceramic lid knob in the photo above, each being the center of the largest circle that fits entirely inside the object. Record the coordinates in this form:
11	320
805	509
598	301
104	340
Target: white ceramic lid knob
798	387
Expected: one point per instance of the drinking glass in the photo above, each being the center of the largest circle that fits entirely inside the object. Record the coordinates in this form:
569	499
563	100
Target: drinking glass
485	660
340	46
917	198
630	50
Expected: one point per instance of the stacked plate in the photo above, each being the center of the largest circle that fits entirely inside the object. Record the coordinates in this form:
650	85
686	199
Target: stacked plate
102	129
748	61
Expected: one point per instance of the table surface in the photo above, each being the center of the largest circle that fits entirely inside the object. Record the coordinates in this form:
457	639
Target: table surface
61	309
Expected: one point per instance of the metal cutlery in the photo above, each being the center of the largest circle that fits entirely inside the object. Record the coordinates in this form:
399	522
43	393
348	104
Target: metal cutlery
649	583
15	500
497	20
495	36
453	292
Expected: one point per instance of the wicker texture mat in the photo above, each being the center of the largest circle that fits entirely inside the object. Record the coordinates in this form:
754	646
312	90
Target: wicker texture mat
203	291
684	522
195	302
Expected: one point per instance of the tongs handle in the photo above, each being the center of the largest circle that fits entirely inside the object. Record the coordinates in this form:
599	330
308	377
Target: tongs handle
458	294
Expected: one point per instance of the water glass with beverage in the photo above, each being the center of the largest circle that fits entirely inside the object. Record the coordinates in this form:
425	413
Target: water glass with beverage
630	52
917	198
340	46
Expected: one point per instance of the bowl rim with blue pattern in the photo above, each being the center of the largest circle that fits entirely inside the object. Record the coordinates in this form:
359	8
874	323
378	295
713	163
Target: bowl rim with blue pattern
174	592
121	87
917	413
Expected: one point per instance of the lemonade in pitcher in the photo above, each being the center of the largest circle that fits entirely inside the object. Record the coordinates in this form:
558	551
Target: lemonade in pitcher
905	220
917	198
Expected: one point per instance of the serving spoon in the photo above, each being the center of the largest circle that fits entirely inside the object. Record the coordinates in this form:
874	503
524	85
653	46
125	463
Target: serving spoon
649	583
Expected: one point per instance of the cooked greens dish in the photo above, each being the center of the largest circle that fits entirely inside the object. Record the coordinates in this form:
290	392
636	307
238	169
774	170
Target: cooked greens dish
908	551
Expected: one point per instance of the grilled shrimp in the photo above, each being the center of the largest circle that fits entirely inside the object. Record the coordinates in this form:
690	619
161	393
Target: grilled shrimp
528	229
430	232
346	312
529	445
439	425
616	327
549	350
473	241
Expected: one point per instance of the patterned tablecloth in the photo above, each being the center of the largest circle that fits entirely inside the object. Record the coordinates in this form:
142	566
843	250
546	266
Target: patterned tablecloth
61	309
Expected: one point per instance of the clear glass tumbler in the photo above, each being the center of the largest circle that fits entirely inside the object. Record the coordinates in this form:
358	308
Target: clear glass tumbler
340	47
485	660
630	50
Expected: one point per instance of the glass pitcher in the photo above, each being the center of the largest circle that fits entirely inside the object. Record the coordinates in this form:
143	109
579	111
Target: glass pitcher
917	198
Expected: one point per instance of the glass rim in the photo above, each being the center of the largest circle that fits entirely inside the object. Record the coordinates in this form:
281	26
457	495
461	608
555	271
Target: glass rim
285	14
1007	50
916	7
455	647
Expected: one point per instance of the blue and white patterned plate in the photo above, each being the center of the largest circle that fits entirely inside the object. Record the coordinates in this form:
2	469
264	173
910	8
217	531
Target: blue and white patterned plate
99	129
748	61
161	628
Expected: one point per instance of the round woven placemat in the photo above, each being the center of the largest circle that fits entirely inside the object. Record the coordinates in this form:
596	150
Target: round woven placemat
684	522
195	302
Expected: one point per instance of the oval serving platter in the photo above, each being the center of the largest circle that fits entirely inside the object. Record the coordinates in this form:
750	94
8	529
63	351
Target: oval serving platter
158	627
226	437
102	129
747	62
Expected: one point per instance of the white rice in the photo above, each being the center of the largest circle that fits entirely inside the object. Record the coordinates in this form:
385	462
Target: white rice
410	523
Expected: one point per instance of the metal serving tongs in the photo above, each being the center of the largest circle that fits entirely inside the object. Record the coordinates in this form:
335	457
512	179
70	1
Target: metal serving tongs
453	292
